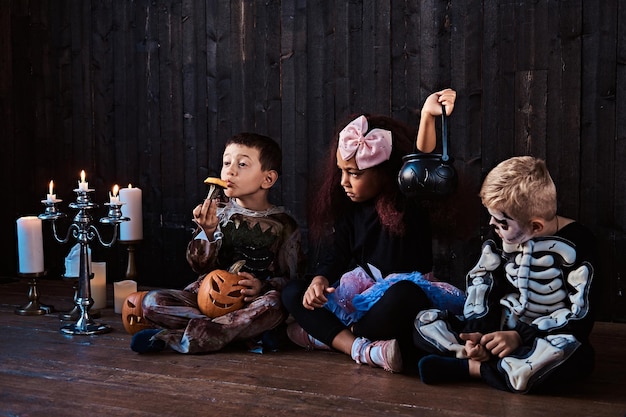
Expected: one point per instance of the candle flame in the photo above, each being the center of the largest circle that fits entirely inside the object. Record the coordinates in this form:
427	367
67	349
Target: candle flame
82	176
51	187
116	190
130	185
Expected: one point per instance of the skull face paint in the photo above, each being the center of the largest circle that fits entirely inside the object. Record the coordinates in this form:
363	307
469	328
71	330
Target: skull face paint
509	230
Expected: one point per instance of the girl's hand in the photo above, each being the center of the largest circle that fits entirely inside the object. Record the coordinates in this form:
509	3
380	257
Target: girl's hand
501	343
315	295
253	286
205	216
473	349
432	105
426	135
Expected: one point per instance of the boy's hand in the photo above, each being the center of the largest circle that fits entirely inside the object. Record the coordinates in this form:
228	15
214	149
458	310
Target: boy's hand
253	286
433	103
205	216
315	295
501	343
473	349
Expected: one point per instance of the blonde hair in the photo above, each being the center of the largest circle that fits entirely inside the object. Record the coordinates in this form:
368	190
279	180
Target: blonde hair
522	188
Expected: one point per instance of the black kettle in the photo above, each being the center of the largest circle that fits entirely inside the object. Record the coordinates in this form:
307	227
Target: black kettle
428	174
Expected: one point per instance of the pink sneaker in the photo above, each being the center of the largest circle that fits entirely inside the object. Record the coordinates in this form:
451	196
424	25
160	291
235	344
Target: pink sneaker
383	353
301	338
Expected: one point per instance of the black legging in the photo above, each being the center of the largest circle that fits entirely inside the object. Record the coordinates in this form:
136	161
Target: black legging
391	317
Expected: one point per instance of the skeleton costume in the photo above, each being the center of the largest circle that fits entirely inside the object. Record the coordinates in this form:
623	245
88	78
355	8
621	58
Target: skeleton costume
269	242
540	288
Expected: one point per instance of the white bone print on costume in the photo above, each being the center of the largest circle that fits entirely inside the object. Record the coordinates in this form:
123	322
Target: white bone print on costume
480	281
579	279
433	329
544	299
545	355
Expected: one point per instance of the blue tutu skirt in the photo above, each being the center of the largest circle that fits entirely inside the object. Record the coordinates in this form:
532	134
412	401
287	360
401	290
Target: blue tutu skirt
357	292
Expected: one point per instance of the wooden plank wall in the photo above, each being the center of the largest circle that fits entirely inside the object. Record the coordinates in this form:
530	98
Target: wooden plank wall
146	92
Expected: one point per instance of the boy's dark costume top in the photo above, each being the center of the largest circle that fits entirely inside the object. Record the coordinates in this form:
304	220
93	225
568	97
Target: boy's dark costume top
540	288
269	243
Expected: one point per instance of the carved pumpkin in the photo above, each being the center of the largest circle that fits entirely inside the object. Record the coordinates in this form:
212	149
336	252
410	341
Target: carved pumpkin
219	292
132	313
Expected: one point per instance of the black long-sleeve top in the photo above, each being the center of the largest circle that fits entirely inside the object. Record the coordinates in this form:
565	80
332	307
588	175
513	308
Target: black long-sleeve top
359	239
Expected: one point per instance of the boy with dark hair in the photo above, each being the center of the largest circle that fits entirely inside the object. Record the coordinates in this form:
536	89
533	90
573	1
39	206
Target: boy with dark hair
246	228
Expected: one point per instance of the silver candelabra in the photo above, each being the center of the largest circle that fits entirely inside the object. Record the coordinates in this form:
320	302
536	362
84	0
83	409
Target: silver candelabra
84	231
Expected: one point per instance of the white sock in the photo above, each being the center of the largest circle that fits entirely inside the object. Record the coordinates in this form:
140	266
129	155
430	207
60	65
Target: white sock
360	349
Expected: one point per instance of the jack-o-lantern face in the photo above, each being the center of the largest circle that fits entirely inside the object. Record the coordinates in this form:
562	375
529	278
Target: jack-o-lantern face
132	313
220	293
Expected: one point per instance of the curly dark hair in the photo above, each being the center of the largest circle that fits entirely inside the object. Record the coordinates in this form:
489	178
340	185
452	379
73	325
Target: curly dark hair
330	200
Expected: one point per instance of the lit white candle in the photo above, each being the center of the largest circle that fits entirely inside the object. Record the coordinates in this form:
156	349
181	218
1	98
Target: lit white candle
99	285
114	198
82	184
30	245
132	229
121	290
51	197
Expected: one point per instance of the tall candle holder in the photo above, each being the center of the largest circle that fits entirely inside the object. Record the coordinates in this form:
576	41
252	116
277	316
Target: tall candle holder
84	231
33	307
131	264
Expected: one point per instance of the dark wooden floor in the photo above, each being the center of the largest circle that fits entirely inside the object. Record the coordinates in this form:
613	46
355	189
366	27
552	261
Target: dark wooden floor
46	373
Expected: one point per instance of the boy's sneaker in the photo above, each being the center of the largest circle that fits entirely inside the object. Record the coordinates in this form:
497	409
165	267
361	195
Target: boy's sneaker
145	342
436	369
301	338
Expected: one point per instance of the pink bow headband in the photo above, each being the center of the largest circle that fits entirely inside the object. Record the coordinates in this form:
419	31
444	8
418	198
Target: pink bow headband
369	150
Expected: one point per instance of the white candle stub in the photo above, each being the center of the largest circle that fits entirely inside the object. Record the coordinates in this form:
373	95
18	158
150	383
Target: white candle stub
121	290
51	197
82	184
114	197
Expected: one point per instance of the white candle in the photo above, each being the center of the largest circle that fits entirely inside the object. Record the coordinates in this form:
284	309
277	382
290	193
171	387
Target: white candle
121	290
114	198
51	197
99	284
30	245
82	184
132	229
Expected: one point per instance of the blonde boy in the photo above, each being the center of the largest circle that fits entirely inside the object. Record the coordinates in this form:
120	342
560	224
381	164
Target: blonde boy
527	317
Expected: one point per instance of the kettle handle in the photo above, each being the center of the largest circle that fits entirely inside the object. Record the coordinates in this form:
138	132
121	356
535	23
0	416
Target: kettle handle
444	134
